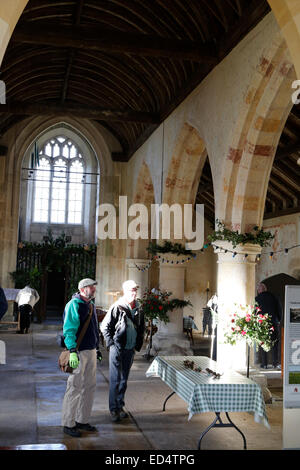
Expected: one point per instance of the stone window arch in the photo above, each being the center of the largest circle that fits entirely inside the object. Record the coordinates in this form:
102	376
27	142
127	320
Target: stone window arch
61	193
58	195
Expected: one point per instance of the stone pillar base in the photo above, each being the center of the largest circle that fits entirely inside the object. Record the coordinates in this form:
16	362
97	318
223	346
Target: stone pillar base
171	345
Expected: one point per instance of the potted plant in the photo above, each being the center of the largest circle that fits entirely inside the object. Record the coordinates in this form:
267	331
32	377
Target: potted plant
155	305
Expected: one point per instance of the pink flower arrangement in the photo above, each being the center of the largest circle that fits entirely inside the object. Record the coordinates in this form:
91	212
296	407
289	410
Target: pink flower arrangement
248	324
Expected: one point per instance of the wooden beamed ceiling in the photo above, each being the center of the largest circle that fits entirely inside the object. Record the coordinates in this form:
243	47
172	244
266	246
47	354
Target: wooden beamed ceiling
127	65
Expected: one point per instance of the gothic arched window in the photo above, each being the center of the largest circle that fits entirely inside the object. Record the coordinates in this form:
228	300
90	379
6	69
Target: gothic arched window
59	177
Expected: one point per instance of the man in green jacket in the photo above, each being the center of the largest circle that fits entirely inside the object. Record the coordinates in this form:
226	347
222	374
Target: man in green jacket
81	385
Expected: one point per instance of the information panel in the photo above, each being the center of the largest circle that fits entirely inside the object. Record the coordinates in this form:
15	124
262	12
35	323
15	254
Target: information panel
291	386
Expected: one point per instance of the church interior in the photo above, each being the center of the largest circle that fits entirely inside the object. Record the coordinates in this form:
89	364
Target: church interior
118	107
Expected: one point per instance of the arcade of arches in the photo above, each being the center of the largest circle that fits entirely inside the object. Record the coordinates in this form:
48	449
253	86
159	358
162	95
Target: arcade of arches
231	123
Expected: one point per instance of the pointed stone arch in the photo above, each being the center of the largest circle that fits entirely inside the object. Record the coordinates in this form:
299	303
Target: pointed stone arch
185	168
248	163
287	14
19	139
10	13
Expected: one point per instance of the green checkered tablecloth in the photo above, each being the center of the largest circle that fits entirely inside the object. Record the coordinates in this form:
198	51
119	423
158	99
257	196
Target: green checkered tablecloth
202	393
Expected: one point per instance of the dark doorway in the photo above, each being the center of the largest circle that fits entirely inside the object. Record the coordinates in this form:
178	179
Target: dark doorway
56	285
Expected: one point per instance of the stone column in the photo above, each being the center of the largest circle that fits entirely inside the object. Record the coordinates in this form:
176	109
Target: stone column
236	285
170	340
140	276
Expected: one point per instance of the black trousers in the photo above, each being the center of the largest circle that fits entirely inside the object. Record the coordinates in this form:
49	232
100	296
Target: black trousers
275	350
25	312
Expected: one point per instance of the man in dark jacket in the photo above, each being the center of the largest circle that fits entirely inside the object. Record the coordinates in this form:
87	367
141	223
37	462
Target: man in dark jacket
3	303
123	330
269	304
81	385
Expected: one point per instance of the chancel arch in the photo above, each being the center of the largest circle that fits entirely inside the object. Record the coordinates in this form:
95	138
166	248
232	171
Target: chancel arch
288	18
250	156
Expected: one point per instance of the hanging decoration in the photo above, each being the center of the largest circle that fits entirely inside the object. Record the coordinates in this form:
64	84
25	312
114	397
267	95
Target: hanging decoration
257	237
168	247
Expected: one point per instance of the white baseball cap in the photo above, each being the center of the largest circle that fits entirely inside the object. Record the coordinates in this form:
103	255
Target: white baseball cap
128	285
86	282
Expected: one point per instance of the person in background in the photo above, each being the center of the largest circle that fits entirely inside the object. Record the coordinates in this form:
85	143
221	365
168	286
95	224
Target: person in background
123	330
81	385
26	300
269	304
3	303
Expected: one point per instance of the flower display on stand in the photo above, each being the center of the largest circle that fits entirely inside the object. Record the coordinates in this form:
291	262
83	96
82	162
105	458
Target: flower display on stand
155	305
247	323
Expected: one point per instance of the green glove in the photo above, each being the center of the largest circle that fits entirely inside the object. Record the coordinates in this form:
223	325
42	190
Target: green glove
99	355
74	360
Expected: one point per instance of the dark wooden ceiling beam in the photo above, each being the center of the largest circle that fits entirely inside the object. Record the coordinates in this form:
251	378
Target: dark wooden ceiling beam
220	17
204	187
238	4
251	15
275	194
296	111
283	188
281	212
287	180
94	38
82	111
67	76
287	151
289	169
76	21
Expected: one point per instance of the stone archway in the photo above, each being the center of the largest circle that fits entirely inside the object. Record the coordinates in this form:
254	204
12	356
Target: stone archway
287	14
243	186
185	168
27	132
10	13
242	189
180	187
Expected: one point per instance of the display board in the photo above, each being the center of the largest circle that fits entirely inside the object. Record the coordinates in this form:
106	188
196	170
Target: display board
291	385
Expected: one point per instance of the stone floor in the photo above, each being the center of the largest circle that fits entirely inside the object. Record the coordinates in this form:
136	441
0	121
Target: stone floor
32	390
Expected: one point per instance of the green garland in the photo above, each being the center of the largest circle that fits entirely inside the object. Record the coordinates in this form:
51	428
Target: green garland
168	247
257	237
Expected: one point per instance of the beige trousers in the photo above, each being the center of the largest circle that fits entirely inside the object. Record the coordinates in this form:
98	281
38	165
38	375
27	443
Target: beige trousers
81	385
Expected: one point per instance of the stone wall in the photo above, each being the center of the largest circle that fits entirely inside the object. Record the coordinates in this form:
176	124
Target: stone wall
287	233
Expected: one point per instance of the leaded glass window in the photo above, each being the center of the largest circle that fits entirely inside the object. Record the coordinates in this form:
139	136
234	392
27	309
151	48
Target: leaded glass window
59	178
